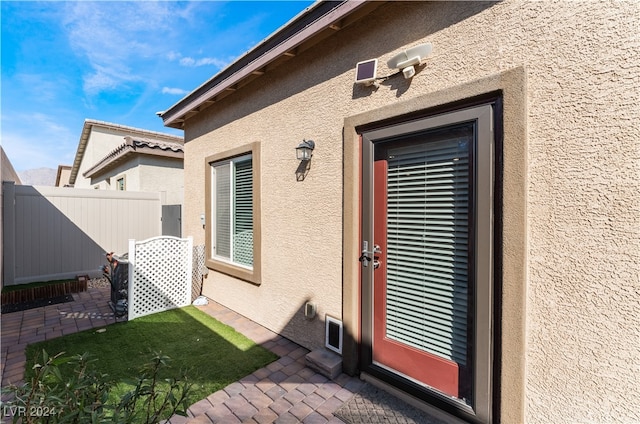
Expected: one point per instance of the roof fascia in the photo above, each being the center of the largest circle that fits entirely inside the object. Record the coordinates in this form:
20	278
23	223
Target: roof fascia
258	58
124	152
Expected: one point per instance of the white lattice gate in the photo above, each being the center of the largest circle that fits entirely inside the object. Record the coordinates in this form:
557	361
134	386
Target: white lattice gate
159	274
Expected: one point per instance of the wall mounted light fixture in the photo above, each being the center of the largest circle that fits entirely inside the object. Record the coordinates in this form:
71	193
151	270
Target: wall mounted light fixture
406	60
304	151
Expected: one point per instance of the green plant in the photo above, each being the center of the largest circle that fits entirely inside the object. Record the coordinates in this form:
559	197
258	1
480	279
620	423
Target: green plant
49	397
148	402
193	340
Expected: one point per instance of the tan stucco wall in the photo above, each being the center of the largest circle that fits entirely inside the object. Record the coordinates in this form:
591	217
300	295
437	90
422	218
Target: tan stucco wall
7	172
582	233
148	174
101	142
164	175
65	174
130	170
301	221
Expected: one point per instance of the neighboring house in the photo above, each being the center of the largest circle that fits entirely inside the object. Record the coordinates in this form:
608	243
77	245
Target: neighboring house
499	183
117	157
141	164
7	173
63	175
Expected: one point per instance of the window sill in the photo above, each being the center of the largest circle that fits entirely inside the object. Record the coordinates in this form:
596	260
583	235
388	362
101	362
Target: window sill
250	276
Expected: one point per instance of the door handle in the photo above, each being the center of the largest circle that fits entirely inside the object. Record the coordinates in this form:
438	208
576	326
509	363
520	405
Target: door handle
376	260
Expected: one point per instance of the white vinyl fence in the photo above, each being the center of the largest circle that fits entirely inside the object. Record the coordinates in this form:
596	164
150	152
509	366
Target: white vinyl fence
160	275
52	233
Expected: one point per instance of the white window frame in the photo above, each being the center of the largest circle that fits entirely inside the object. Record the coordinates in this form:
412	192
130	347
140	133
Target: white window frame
122	178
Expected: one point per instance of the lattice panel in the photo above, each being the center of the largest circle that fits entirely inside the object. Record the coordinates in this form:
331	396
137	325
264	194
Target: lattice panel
160	275
198	271
243	248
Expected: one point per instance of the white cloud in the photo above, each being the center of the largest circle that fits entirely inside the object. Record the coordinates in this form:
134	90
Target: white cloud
121	44
47	89
189	61
99	81
129	42
177	91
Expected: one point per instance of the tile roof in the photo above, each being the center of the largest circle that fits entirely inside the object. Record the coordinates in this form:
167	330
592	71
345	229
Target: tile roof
133	146
90	124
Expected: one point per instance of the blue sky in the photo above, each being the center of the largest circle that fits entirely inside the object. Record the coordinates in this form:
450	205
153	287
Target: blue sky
120	62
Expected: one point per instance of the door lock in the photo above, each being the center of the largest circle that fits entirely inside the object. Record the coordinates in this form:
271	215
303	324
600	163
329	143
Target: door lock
369	255
364	259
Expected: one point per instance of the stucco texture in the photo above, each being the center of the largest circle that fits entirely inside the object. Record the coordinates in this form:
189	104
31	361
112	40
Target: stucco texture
100	143
582	231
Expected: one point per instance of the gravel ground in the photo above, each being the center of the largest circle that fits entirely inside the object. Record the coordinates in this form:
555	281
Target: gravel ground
101	282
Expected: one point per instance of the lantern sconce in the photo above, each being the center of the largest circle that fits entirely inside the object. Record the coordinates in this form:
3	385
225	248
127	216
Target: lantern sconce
304	151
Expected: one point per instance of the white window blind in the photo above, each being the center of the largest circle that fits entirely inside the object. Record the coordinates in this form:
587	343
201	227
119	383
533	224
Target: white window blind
427	246
222	210
233	211
243	216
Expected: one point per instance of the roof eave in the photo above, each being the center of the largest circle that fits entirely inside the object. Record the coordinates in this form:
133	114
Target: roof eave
222	84
126	151
86	131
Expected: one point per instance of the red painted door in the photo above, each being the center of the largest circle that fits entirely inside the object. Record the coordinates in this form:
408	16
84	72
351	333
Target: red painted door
420	224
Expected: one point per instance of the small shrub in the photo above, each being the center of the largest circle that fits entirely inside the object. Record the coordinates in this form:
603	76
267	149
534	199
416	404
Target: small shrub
83	397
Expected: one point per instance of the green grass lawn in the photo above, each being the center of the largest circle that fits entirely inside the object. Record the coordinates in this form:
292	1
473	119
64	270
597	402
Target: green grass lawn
212	354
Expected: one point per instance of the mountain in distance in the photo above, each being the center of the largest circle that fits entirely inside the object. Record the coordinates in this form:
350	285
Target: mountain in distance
39	176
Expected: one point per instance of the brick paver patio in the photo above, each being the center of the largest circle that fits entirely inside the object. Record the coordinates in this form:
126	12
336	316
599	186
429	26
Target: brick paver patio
285	391
90	309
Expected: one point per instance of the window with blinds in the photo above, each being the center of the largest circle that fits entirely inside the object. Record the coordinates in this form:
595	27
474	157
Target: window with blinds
243	213
222	210
233	210
427	244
